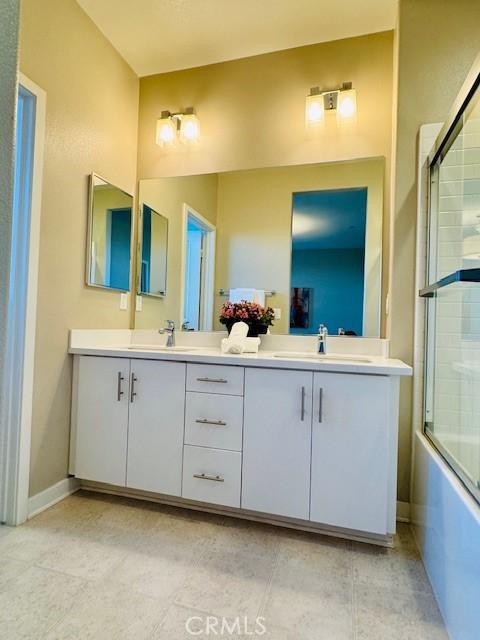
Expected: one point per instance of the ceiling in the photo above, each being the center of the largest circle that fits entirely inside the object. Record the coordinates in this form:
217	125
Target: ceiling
155	36
329	219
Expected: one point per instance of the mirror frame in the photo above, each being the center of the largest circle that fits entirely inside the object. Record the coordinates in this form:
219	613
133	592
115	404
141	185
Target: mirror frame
140	251
88	282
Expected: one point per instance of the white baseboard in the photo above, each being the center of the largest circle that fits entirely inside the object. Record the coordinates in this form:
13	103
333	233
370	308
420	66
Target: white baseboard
403	511
47	498
41	501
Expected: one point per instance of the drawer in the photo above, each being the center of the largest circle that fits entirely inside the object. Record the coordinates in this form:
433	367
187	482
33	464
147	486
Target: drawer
212	475
213	420
214	378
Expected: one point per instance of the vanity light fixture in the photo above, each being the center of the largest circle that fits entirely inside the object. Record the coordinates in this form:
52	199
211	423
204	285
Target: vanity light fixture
343	101
180	125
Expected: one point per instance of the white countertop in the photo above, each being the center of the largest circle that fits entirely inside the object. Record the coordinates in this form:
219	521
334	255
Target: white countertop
366	363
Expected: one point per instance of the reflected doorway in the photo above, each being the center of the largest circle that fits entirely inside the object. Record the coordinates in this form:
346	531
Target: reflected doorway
199	272
328	261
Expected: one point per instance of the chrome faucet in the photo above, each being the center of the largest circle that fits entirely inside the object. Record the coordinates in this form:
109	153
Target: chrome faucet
322	338
170	331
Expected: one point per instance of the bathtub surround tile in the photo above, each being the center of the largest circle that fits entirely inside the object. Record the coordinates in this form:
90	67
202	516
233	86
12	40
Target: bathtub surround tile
97	566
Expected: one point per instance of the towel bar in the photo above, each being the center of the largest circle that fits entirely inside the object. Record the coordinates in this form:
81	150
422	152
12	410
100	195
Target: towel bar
225	292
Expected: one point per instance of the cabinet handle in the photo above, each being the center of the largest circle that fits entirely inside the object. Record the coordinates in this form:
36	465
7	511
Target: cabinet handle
203	476
217	423
221	380
303	404
120	379
320	405
133	393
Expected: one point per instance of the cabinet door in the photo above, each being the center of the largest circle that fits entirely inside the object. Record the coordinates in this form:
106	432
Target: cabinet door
102	419
155	435
350	456
277	442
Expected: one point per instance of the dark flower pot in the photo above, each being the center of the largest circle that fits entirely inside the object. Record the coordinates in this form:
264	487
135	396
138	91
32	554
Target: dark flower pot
254	329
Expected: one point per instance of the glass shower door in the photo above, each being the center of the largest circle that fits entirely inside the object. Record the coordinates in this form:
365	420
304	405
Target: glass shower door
452	391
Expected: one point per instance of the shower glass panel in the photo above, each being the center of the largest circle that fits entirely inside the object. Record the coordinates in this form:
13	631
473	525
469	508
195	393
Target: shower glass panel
452	391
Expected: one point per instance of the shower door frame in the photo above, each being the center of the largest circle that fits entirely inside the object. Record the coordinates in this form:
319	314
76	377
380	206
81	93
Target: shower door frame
445	138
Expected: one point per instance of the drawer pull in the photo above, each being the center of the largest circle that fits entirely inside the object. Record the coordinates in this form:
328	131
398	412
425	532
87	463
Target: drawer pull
221	380
204	476
216	423
303	405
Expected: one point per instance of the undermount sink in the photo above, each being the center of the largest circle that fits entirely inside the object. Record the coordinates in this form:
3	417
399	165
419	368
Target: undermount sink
157	347
325	357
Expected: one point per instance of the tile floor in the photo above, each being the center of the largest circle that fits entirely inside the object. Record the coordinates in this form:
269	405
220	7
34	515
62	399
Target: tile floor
100	568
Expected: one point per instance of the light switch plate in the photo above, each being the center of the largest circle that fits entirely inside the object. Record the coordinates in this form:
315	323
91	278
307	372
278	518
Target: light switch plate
138	303
124	301
278	313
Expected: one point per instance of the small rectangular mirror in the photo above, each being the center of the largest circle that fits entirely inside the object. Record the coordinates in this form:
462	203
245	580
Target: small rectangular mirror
109	236
153	241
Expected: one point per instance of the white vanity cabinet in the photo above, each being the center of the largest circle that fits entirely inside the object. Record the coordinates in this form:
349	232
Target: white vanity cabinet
155	426
351	447
277	437
128	423
100	419
318	448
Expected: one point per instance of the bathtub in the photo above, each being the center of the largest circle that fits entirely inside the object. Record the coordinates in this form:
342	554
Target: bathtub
446	522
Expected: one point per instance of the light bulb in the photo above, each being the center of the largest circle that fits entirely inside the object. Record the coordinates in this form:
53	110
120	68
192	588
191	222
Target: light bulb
314	109
347	105
166	131
189	128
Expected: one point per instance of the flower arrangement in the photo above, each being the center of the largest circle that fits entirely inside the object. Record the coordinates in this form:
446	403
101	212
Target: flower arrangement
257	317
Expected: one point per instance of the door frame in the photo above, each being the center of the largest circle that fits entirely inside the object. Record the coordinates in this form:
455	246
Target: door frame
22	327
206	307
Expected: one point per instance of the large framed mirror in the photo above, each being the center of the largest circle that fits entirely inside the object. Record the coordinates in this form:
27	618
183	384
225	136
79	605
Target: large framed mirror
305	240
109	236
152	252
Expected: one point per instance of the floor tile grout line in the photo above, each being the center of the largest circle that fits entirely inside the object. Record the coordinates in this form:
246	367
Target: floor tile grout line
268	586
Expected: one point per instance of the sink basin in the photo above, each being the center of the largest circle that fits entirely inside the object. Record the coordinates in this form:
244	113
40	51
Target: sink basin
324	357
157	347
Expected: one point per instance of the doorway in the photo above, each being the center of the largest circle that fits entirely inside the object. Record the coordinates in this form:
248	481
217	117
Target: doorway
329	231
199	267
21	320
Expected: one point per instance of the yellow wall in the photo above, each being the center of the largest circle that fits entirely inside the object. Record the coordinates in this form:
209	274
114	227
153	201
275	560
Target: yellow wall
438	42
252	111
92	108
254	221
168	197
